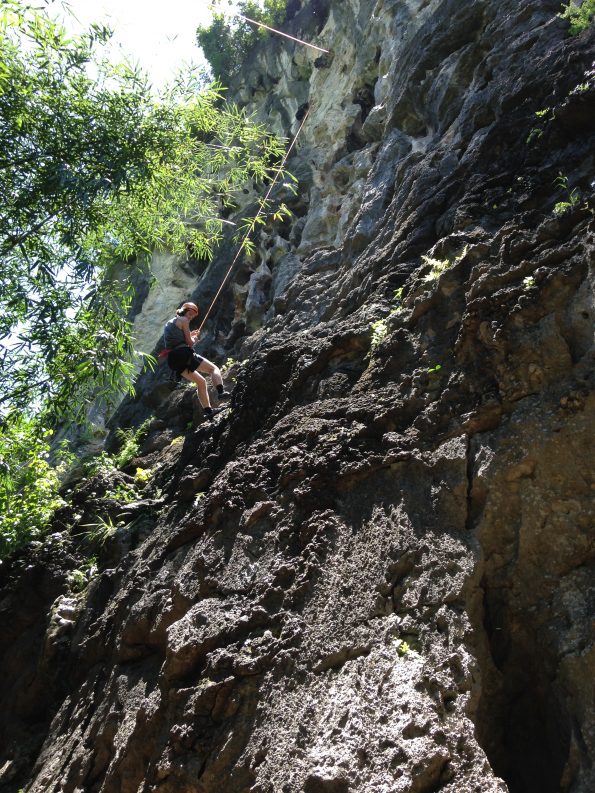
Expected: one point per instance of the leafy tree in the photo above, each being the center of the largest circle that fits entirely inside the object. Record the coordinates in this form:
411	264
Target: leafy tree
227	41
96	171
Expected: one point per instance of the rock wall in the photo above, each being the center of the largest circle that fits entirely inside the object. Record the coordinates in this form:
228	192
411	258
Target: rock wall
374	573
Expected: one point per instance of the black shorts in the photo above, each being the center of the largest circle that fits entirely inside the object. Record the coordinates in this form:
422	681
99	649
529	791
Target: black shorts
183	358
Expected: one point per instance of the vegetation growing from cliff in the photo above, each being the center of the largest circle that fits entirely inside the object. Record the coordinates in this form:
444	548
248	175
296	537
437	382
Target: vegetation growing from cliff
95	172
579	17
131	440
227	41
28	484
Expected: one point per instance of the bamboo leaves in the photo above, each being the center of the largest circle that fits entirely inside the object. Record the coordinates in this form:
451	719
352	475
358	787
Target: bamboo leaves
94	169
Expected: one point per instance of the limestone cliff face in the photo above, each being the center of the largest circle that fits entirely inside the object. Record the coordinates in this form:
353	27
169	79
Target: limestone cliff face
375	572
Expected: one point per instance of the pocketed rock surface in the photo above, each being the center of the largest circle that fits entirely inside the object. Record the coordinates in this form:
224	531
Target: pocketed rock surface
373	573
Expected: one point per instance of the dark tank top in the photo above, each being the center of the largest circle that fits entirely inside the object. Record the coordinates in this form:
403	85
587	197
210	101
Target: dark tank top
172	335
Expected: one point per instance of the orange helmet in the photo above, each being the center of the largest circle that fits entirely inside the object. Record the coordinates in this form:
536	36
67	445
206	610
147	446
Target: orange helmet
183	309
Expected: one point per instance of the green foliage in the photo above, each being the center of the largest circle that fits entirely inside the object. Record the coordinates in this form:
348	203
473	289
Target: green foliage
142	476
101	463
282	212
79	578
534	135
438	267
572	198
579	17
402	648
99	532
562	207
227	41
266	213
398	296
380	327
544	116
379	331
123	492
28	483
131	440
95	171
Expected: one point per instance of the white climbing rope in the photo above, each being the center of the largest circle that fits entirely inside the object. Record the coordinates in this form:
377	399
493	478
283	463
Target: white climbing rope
231	12
278	32
260	211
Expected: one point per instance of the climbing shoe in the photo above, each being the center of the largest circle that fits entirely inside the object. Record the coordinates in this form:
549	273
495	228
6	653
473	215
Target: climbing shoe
211	412
223	395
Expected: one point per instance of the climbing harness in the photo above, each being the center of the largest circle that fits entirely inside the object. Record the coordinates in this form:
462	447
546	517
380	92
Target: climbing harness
263	204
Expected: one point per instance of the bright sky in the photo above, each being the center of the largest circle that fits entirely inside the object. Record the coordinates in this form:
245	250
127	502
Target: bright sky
159	35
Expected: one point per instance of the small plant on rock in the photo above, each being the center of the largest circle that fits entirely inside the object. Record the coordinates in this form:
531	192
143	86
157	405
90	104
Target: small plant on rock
580	88
100	464
101	531
398	296
534	135
131	440
573	196
122	492
579	17
142	476
79	578
438	267
379	331
544	115
402	648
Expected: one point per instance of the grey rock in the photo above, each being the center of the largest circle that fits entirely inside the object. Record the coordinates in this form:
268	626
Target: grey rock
374	572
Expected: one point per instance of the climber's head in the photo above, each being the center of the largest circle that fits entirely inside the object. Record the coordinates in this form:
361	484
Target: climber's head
187	310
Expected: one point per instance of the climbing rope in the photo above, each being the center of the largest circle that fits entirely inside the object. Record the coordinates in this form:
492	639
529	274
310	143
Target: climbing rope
231	12
278	32
260	211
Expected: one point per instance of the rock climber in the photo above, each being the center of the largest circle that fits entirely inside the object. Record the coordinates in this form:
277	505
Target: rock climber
179	341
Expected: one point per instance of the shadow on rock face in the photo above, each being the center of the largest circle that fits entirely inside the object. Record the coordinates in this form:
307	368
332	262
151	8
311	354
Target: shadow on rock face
537	606
325	782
